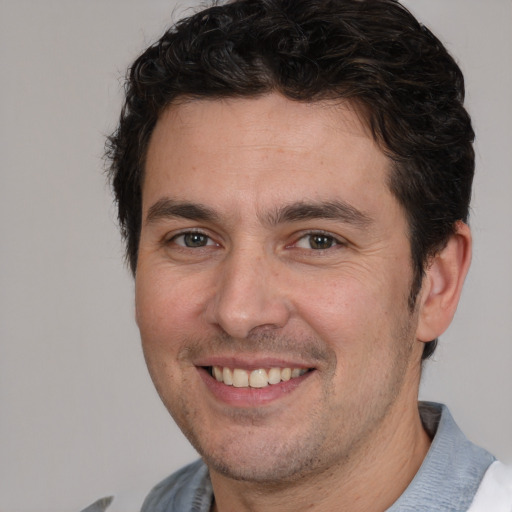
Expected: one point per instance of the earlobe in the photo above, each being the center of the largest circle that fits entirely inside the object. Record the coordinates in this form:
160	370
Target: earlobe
442	285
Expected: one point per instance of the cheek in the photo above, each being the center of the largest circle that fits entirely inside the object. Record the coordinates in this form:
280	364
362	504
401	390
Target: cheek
343	305
360	317
164	321
163	308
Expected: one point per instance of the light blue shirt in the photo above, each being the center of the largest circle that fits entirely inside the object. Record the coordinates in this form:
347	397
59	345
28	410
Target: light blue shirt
447	480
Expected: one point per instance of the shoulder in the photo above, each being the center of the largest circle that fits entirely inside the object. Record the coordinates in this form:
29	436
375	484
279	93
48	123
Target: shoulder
187	489
495	490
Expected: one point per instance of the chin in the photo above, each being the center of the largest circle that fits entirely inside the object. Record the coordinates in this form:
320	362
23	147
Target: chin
259	472
264	462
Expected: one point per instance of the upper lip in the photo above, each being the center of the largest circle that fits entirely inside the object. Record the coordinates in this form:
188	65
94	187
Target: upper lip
250	363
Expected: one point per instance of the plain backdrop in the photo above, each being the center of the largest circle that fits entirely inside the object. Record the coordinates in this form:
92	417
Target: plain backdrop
79	418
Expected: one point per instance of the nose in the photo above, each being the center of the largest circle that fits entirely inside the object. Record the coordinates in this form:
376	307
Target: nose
248	296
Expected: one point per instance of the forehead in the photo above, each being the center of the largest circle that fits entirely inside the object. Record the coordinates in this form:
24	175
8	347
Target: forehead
264	149
270	119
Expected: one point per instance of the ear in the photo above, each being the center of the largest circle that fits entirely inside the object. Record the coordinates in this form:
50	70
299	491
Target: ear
442	285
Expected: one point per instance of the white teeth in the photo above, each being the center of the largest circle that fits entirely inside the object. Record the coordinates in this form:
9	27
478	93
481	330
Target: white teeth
259	378
227	376
274	376
217	373
286	374
240	378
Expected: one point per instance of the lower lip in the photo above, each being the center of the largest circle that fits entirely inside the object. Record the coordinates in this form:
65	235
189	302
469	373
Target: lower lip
250	397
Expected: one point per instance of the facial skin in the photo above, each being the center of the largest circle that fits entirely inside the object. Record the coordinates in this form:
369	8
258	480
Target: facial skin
270	239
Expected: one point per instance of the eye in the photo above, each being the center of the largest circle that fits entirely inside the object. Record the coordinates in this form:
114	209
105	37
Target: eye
317	241
192	240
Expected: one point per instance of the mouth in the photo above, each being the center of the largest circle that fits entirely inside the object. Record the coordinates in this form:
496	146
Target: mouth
257	378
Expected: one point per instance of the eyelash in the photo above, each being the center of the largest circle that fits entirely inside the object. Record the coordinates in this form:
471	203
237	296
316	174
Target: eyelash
329	239
333	240
209	240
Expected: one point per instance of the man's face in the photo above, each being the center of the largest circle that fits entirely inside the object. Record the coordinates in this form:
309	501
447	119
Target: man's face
272	245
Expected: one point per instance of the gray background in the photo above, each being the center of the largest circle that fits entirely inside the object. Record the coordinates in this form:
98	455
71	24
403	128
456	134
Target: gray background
79	418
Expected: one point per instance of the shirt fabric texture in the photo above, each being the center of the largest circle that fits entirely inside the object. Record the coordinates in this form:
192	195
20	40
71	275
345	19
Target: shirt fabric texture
495	491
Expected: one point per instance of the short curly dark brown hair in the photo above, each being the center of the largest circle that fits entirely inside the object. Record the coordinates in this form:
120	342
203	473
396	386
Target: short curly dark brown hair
371	52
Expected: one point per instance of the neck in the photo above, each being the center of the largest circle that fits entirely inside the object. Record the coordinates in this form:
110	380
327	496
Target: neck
370	480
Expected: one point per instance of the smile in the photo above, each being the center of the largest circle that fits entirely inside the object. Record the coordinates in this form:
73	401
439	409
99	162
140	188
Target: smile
259	378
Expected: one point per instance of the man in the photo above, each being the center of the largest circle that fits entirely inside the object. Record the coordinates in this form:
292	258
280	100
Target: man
293	181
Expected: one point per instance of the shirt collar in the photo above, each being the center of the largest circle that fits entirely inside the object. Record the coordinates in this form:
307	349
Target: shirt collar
452	469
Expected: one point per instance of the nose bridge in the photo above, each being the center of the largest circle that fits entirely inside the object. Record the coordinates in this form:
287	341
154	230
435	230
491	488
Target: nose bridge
248	294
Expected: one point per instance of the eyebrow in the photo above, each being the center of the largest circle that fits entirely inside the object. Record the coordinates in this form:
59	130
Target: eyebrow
336	210
166	208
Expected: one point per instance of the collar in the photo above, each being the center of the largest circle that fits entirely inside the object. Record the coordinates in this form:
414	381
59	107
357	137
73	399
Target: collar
451	471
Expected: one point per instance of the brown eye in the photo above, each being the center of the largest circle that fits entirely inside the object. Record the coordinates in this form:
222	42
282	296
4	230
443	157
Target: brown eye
321	242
